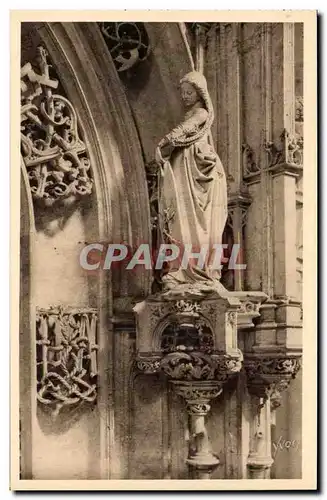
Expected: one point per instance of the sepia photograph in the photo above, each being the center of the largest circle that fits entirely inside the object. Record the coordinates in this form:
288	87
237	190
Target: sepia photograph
161	330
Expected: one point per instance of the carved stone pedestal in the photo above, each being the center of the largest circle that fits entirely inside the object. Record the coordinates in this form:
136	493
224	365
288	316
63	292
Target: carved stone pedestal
197	396
191	339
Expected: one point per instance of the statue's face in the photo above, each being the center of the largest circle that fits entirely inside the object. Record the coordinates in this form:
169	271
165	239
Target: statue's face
189	95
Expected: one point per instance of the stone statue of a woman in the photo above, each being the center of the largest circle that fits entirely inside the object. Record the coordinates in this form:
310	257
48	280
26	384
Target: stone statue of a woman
192	193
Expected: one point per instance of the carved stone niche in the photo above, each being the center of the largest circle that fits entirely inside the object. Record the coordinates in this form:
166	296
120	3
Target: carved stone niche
193	342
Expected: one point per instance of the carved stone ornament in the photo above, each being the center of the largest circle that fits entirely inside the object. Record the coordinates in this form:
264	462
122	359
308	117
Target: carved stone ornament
289	150
152	178
187	332
299	109
251	305
54	155
128	43
200	366
197	396
265	373
231	216
148	365
276	393
66	357
250	165
190	339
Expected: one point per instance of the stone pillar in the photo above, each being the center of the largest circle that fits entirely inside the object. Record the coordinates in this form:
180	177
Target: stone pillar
267	376
284	160
197	395
260	459
124	345
200	30
226	80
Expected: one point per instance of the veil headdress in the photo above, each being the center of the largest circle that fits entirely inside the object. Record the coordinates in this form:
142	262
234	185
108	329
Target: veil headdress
198	81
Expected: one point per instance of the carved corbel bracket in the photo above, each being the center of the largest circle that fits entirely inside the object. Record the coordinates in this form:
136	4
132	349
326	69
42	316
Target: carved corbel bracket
192	341
200	320
197	377
269	373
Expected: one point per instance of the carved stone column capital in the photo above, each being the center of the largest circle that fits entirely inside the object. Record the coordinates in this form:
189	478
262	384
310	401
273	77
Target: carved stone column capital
197	394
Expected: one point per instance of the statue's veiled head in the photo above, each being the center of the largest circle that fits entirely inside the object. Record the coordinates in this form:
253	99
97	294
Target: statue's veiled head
189	95
194	88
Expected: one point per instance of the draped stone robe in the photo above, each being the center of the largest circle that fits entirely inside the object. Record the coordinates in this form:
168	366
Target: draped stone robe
193	191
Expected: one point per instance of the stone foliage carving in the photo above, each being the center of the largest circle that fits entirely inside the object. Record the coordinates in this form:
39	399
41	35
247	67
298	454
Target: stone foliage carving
268	375
66	357
200	366
148	366
56	158
128	43
184	306
197	395
271	366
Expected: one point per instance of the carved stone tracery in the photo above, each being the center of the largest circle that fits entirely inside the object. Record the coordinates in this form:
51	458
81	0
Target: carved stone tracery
55	157
66	357
128	43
